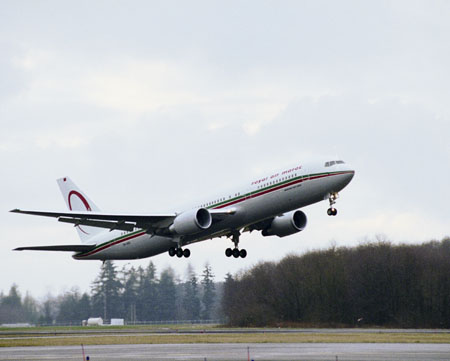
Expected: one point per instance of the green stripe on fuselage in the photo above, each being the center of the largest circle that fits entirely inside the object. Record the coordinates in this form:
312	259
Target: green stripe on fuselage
258	191
111	241
220	204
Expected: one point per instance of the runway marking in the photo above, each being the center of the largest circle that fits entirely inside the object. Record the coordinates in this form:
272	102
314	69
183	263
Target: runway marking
234	352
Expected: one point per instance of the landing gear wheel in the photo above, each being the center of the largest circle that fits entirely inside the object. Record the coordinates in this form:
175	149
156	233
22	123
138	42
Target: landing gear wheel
332	211
172	251
235	252
186	253
179	252
332	199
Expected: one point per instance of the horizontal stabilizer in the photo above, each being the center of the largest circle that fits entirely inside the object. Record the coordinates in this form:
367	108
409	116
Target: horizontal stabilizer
63	248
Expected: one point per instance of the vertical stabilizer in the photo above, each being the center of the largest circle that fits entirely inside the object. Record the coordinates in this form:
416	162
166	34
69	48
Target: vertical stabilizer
76	200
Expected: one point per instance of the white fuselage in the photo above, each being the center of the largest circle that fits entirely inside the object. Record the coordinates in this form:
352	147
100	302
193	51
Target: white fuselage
261	199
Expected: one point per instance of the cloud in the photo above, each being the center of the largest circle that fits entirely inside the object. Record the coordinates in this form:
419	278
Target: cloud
150	107
141	87
397	225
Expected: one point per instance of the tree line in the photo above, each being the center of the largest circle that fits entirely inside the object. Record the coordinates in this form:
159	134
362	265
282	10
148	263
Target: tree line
372	284
135	295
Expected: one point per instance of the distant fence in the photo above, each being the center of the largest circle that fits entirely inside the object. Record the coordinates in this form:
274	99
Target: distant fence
162	322
176	322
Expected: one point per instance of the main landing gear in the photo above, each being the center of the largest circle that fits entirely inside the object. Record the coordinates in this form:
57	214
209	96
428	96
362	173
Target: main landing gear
236	253
332	198
179	252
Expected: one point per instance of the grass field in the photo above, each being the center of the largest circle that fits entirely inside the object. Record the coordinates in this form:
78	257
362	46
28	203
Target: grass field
66	336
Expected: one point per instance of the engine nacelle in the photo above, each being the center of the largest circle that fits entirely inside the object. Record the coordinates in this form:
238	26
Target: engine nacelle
287	224
191	222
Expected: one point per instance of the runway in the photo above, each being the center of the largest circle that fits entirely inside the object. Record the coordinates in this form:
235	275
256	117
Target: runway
231	352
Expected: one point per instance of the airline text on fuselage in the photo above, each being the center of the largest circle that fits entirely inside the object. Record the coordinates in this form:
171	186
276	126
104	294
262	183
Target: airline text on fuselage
287	171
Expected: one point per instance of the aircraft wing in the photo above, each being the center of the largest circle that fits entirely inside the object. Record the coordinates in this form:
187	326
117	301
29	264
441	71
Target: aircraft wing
125	222
157	223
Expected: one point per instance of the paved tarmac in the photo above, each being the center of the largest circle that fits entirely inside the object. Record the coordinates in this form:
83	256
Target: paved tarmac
231	352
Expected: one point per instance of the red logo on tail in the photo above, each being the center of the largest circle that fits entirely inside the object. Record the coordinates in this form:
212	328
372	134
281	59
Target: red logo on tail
82	199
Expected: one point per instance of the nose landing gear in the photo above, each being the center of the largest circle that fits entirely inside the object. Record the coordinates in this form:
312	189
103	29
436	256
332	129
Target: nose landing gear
236	253
332	198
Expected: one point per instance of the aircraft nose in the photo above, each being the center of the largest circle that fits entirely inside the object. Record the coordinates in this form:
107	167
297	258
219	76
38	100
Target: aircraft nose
348	172
349	175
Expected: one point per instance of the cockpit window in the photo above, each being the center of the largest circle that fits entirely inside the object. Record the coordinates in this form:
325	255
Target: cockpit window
333	162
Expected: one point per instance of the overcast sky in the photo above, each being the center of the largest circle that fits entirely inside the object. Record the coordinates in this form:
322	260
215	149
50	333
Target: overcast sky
149	106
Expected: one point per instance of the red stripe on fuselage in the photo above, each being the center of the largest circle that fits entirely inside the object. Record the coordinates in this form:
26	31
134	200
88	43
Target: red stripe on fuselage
254	195
222	206
111	244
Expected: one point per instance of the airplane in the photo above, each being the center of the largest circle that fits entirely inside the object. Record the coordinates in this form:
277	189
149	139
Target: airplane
269	204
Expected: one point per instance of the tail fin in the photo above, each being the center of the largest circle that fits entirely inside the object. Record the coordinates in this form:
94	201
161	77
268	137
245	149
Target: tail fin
76	200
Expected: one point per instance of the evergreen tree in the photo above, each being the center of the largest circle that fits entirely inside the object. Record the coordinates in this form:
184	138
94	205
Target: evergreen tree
13	299
129	295
147	302
30	308
73	308
67	312
167	296
191	302
209	292
106	292
11	310
48	311
84	307
228	295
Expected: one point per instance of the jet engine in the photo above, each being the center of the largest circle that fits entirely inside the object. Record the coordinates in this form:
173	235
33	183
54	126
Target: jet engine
286	224
191	222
